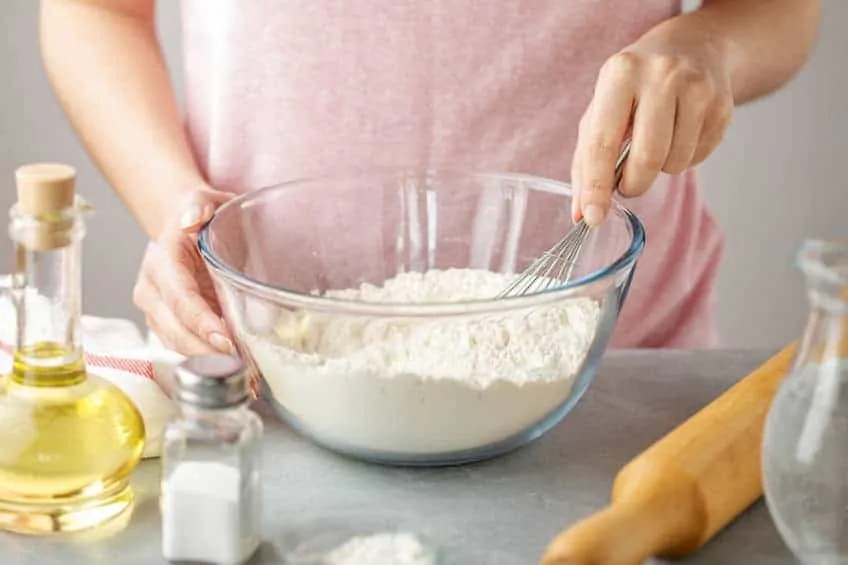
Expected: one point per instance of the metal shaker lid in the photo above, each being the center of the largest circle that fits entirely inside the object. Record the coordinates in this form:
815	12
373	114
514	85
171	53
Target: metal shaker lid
211	381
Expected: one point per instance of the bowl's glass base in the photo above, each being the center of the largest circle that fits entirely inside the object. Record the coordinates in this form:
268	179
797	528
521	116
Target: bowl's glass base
438	459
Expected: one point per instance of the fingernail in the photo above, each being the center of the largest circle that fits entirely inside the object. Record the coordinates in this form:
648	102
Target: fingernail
192	216
593	214
221	343
575	210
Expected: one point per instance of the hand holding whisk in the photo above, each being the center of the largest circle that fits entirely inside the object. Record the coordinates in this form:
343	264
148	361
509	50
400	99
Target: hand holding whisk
554	267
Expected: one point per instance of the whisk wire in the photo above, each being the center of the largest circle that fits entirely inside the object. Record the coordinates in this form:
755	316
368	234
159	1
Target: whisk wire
554	266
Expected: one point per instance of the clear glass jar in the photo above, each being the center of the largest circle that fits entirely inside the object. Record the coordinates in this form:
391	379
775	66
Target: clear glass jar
805	448
211	475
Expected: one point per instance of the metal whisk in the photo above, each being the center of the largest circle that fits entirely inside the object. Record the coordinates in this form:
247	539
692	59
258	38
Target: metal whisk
554	267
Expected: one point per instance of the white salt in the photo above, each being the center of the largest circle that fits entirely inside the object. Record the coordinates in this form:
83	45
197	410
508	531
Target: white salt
205	517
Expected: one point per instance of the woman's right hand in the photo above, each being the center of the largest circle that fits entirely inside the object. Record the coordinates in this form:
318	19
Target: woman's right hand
174	289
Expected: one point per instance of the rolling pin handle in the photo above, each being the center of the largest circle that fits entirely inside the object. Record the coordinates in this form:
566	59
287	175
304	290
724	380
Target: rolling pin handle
606	538
645	519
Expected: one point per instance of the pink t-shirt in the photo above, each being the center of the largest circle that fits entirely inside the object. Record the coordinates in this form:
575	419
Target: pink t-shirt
284	89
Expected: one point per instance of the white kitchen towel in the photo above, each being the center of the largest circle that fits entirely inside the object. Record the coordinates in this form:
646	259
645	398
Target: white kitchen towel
117	351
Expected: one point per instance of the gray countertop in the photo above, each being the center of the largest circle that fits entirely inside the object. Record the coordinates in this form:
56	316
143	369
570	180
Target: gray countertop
501	512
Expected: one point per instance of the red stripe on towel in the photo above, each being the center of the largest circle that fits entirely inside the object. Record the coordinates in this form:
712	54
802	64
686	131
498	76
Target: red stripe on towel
138	367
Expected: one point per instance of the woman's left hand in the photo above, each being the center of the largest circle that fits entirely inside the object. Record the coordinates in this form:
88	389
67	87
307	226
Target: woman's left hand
676	102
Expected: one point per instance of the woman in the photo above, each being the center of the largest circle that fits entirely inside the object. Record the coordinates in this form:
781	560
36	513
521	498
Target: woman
287	89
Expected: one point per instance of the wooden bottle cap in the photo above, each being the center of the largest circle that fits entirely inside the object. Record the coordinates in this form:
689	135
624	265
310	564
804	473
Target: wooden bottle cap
45	188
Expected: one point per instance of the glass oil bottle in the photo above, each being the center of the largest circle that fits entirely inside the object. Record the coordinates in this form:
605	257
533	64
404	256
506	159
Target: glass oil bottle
805	444
68	439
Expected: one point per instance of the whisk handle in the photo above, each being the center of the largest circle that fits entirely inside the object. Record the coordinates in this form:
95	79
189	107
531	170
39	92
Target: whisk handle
619	164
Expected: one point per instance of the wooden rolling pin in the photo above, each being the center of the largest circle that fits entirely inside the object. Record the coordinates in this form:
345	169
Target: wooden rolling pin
675	496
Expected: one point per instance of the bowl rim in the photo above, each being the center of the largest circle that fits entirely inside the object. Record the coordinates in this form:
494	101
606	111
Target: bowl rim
275	293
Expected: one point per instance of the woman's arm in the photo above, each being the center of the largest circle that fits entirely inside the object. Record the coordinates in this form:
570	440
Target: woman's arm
104	62
764	43
674	90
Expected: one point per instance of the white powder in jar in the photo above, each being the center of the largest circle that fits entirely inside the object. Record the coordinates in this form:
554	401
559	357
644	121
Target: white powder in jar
419	386
381	549
205	517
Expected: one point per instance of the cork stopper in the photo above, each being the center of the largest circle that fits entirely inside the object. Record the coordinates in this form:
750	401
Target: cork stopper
45	188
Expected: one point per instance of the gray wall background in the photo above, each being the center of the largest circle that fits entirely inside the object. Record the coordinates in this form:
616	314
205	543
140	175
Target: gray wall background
778	178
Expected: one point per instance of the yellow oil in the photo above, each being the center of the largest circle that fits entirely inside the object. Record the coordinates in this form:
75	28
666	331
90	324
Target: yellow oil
68	443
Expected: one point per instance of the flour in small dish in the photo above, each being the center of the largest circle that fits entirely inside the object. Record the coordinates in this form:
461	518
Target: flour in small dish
426	384
381	549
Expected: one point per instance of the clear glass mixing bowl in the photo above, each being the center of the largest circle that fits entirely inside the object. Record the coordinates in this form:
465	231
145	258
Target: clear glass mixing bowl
273	252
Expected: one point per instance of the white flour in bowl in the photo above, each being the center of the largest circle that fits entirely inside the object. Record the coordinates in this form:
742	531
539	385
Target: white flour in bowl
425	385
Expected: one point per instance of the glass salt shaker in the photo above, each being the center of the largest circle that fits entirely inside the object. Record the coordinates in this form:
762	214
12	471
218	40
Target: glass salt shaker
805	447
210	501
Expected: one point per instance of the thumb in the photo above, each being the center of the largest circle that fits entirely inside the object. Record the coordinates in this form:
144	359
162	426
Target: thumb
199	206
